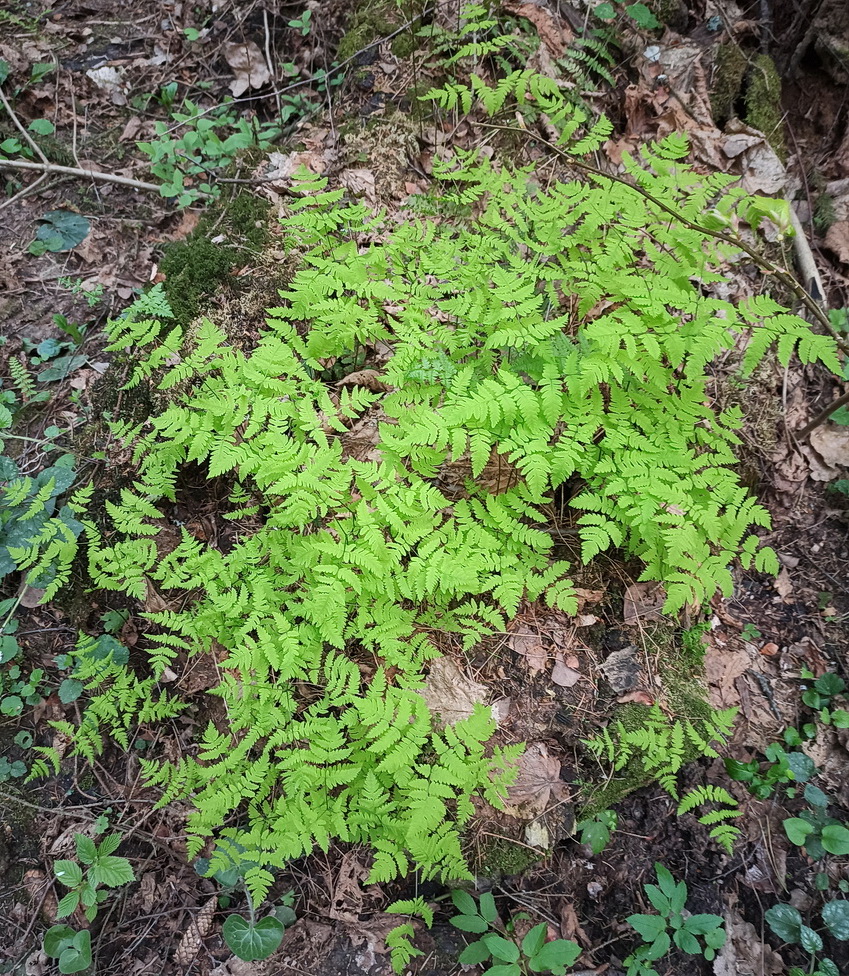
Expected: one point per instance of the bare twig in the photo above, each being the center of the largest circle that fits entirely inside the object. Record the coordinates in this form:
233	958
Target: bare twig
823	415
93	174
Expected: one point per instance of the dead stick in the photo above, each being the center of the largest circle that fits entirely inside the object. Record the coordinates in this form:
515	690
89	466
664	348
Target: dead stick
74	171
823	415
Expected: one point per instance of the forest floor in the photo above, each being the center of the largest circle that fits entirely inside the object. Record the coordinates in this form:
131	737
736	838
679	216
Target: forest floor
103	76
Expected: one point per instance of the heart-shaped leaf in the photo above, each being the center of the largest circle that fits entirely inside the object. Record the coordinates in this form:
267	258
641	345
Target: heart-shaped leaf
252	942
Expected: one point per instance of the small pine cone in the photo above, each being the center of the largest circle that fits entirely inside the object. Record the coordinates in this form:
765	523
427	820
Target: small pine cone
195	934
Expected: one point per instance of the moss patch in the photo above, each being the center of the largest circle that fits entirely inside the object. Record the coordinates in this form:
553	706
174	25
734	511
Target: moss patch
370	21
197	267
728	73
763	103
500	858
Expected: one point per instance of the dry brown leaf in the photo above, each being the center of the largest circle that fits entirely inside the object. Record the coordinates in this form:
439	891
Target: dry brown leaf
538	778
639	697
553	33
783	584
450	692
724	664
360	182
831	442
248	64
530	646
368	378
563	674
643	602
837	240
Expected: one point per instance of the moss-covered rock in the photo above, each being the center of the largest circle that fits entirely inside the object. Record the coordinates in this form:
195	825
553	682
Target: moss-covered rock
763	103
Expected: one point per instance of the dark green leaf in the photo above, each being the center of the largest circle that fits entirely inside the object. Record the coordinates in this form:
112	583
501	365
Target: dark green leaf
534	940
803	766
487	907
605	11
501	948
815	796
70	690
470	923
835	839
811	941
836	917
56	939
830	684
797	830
252	942
11	705
699	924
649	926
687	942
474	953
62	230
785	921
464	902
76	957
555	956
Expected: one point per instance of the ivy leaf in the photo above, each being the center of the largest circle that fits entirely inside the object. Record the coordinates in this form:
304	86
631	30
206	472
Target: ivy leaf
836	918
252	942
785	921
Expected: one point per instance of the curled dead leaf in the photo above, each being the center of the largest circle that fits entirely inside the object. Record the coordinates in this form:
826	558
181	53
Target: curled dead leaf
248	64
368	378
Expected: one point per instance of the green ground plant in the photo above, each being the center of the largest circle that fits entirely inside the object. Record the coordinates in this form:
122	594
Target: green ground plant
499	949
658	748
697	935
89	879
557	333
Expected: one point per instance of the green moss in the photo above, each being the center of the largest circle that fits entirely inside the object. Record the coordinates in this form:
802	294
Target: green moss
499	858
763	103
370	21
196	268
728	73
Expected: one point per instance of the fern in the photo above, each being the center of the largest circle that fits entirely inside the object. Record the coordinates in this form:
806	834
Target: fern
22	378
659	748
545	335
399	939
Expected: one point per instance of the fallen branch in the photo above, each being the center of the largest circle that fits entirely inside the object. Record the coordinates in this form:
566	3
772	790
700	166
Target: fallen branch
75	171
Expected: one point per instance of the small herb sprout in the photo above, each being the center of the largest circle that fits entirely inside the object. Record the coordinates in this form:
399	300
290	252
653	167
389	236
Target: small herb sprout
497	944
814	830
673	925
595	831
71	948
102	868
